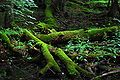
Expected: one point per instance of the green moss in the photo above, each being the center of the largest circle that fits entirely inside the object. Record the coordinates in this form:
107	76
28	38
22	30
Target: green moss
5	38
42	25
72	68
101	31
49	65
49	57
66	35
50	20
70	65
44	48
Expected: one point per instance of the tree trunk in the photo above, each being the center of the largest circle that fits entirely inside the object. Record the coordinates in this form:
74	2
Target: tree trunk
6	14
114	9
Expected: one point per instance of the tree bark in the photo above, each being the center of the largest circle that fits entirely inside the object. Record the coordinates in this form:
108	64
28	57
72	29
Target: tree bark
114	9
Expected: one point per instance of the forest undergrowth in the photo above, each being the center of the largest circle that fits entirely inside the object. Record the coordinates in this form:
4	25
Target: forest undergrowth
99	55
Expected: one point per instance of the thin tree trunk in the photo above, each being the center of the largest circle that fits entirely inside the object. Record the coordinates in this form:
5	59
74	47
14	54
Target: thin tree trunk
114	9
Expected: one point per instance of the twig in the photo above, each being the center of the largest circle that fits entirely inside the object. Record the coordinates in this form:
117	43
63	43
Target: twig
106	74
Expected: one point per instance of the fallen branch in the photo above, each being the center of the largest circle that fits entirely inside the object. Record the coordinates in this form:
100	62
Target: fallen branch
106	74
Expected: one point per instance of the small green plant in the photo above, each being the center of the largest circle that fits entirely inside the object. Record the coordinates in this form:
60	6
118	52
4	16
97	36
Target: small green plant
98	50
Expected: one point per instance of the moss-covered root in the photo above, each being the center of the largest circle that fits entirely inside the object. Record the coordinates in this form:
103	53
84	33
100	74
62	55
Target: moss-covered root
49	58
6	39
60	36
44	48
67	61
66	35
71	66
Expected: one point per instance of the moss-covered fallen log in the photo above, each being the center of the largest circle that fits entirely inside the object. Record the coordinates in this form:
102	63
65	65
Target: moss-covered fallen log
72	68
66	35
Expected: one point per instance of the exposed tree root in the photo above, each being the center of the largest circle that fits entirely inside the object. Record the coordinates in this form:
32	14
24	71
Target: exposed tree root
44	48
72	68
66	35
6	40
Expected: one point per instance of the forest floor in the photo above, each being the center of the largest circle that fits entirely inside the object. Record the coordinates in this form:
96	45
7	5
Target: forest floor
99	56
